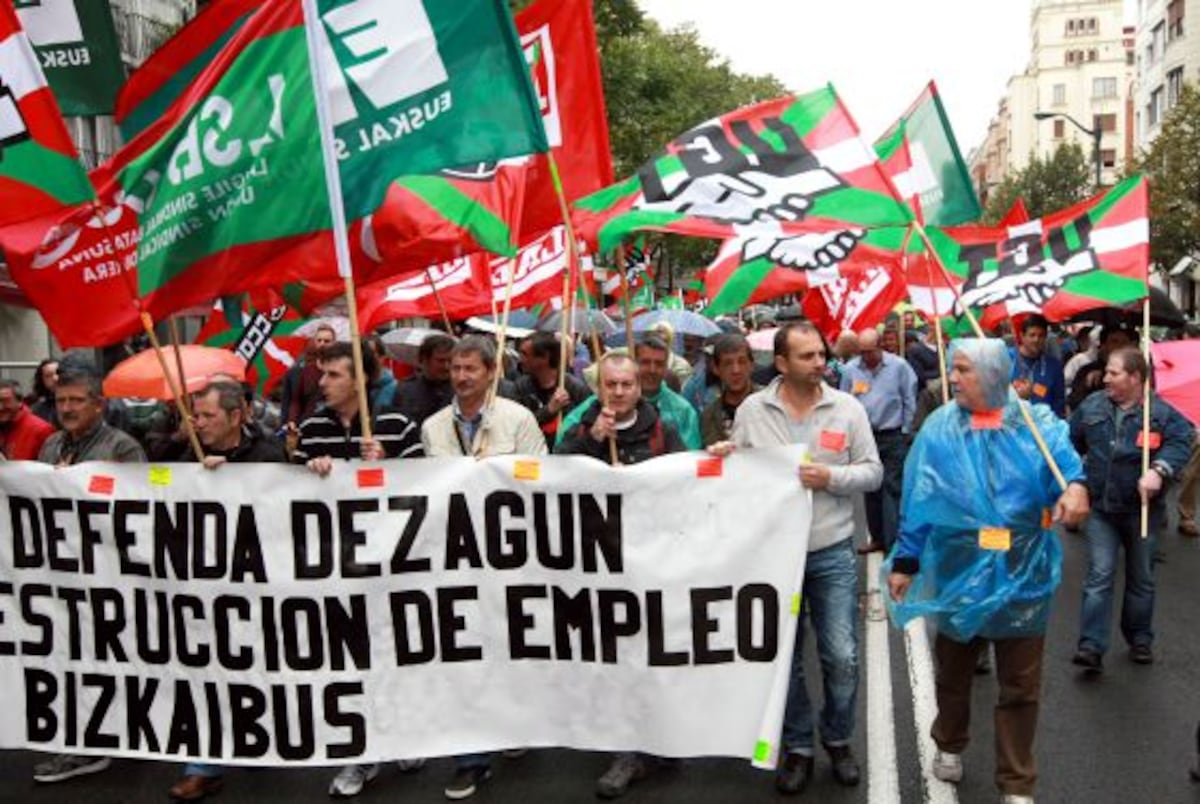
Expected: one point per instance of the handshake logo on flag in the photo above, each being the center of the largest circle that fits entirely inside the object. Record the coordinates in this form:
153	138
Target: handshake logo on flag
12	124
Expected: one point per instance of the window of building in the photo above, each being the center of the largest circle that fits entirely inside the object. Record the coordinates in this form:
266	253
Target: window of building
1107	122
1091	25
1154	50
1129	56
1108	157
1104	87
1174	86
1092	54
1060	129
1070	27
1174	20
1060	95
1154	108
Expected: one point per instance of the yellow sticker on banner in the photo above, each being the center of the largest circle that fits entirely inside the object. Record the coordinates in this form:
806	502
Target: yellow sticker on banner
995	538
762	751
796	604
160	475
527	470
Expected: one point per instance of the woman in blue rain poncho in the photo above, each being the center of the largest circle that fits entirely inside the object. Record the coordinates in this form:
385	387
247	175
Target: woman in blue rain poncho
976	554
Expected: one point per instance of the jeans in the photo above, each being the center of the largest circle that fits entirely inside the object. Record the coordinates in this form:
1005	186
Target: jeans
830	598
1106	535
201	769
883	506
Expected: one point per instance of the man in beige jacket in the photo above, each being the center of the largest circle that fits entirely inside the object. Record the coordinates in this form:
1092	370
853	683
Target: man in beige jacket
469	425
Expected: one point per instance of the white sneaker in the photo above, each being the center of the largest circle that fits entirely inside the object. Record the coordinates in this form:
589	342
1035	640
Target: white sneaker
410	765
351	779
948	767
1011	799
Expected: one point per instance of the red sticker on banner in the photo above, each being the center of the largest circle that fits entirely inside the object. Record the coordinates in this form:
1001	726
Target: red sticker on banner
987	419
101	484
1155	439
709	467
370	478
832	440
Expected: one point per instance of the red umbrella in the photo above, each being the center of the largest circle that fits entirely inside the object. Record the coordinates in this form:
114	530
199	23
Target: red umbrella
1177	375
141	375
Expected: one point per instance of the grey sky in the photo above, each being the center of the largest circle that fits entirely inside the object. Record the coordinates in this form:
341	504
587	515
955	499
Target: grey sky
878	53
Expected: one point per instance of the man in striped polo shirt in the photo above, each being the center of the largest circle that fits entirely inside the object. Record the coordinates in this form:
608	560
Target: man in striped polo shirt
334	431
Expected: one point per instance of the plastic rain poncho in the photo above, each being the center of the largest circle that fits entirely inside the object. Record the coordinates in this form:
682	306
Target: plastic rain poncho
969	483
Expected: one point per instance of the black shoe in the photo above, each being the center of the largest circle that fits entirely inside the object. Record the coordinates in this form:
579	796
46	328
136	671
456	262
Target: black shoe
1089	660
1195	772
793	774
1141	654
845	767
466	781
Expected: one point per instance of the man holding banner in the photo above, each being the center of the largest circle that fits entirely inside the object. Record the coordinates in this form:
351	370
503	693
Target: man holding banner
799	408
621	415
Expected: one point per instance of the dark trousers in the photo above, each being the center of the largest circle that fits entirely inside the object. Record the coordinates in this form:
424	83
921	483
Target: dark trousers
883	506
1019	674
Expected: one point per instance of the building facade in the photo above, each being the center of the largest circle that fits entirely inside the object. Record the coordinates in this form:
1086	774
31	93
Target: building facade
142	25
1081	67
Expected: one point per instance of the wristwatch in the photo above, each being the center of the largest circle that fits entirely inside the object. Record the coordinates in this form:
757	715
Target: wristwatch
1163	470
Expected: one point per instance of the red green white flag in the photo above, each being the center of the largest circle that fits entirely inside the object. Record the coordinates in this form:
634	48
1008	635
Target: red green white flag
264	340
1092	255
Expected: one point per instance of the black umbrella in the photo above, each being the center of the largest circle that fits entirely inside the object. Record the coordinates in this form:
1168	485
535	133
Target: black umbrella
1163	313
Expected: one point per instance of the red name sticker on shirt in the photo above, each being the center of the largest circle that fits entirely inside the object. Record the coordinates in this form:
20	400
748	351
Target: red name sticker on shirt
832	440
709	467
370	478
101	484
1040	390
987	419
860	387
1155	439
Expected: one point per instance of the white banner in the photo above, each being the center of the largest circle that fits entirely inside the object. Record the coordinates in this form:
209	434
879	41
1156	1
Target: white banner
263	615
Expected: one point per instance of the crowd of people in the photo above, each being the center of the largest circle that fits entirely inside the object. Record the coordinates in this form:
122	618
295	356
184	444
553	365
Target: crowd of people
965	454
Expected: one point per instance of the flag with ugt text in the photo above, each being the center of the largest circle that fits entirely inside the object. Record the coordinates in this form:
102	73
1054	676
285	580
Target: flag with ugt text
1092	255
475	284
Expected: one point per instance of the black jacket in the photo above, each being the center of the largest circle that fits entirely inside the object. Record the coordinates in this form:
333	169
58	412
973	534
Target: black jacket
418	398
255	447
648	438
525	391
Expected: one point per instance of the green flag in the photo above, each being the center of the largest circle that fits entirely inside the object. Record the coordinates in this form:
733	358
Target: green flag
423	86
76	43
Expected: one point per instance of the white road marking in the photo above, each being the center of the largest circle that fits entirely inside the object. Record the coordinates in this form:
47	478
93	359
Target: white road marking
883	782
920	676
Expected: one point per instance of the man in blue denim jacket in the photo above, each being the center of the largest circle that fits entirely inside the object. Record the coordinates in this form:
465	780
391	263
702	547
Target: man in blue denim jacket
1107	431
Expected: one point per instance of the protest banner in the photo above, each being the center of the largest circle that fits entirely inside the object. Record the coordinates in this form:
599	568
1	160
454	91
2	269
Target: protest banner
262	615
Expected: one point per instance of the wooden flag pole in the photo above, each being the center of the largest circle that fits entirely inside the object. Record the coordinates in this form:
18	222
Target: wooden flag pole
437	297
937	327
184	415
1146	411
625	303
337	211
173	330
1025	414
568	303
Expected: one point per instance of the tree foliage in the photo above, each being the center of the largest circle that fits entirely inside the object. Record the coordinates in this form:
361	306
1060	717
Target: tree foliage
1047	185
1173	167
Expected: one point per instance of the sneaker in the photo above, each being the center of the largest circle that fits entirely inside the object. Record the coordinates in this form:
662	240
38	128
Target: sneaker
1141	654
466	781
948	767
351	780
1011	799
1089	660
845	767
410	765
61	767
624	771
